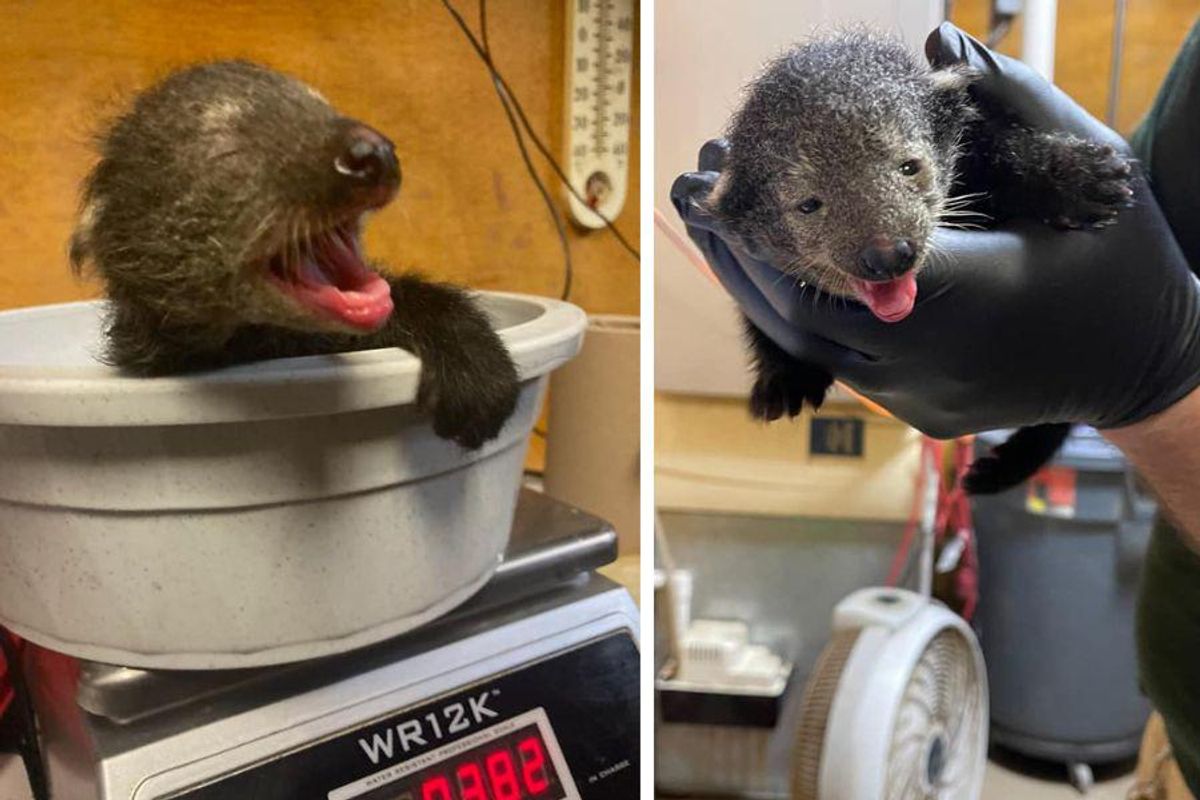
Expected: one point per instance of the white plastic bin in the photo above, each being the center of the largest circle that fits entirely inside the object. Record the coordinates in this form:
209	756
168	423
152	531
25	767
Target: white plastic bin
266	513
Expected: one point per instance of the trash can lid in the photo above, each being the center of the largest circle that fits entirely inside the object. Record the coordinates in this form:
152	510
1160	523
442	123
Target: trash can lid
1084	449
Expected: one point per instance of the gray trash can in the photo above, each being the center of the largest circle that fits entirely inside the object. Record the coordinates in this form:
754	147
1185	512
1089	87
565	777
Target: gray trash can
1059	561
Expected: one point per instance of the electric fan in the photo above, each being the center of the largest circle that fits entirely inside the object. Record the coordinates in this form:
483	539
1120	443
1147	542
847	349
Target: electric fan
896	707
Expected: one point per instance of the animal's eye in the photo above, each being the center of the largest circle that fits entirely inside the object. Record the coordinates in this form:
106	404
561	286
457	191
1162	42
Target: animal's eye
910	167
809	206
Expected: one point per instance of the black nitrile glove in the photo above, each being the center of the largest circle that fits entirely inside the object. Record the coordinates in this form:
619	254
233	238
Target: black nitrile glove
1016	326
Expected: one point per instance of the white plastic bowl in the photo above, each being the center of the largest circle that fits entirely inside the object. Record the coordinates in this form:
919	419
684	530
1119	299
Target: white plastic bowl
266	513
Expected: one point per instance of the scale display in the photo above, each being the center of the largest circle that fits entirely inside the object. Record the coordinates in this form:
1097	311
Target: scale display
516	760
562	728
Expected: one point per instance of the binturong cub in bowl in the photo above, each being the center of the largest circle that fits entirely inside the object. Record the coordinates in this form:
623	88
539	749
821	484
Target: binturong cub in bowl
224	219
847	153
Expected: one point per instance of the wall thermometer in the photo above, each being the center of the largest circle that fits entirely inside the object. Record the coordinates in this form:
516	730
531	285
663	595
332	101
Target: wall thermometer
599	62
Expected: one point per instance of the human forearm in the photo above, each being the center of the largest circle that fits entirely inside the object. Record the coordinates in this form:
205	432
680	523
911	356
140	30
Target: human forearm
1166	450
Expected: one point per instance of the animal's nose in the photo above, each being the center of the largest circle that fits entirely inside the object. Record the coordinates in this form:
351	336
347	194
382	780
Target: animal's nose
369	159
884	257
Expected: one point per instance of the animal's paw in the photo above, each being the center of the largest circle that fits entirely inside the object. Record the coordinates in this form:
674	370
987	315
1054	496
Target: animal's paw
1092	183
1016	459
990	475
470	399
784	391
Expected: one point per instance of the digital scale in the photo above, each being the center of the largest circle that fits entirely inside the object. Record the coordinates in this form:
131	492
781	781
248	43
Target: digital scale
529	691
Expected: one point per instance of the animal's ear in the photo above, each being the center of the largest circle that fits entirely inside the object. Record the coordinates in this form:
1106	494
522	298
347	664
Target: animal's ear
953	79
948	105
733	196
738	203
718	197
80	246
79	252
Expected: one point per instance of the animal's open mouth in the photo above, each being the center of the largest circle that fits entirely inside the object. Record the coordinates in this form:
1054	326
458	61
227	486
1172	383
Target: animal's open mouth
890	301
327	276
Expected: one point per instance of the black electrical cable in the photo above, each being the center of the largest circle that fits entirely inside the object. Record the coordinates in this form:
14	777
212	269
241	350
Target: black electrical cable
545	151
483	37
484	54
559	226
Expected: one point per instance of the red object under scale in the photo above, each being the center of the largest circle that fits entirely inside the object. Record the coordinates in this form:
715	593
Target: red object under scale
951	521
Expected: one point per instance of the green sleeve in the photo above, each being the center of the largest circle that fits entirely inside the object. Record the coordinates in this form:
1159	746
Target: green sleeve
1168	617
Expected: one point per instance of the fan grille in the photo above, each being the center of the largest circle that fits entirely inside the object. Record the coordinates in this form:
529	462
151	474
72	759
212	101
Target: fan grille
934	753
817	702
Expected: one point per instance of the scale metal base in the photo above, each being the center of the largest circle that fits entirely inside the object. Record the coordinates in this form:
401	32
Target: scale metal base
529	691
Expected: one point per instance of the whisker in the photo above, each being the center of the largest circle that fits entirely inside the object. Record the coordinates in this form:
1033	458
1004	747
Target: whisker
963	210
969	207
962	226
936	252
787	161
966	197
294	246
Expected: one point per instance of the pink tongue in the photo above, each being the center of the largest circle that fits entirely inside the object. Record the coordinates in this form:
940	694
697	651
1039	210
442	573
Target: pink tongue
890	301
336	282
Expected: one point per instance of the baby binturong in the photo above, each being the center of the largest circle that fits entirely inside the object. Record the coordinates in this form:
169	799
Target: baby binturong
847	153
224	218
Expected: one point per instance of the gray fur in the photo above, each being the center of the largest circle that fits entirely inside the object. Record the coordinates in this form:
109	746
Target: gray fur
844	119
835	119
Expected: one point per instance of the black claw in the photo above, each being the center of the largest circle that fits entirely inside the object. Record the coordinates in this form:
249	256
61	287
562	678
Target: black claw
1016	459
1093	200
986	477
469	406
795	405
778	393
1110	192
765	400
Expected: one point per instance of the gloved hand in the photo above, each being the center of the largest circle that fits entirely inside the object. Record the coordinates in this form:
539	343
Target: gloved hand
1016	326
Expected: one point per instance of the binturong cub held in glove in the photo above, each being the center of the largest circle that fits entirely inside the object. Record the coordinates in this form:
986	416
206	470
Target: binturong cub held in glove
846	154
224	217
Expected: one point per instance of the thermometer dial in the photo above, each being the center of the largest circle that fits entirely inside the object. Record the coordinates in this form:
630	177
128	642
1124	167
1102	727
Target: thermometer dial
599	64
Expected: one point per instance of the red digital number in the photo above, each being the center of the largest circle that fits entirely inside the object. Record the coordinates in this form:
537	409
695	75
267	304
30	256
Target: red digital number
470	782
436	788
502	776
533	765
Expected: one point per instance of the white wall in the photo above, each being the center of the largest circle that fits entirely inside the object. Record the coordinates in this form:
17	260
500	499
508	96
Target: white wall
705	51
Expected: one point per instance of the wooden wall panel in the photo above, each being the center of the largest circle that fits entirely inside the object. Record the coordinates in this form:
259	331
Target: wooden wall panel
1154	30
467	211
